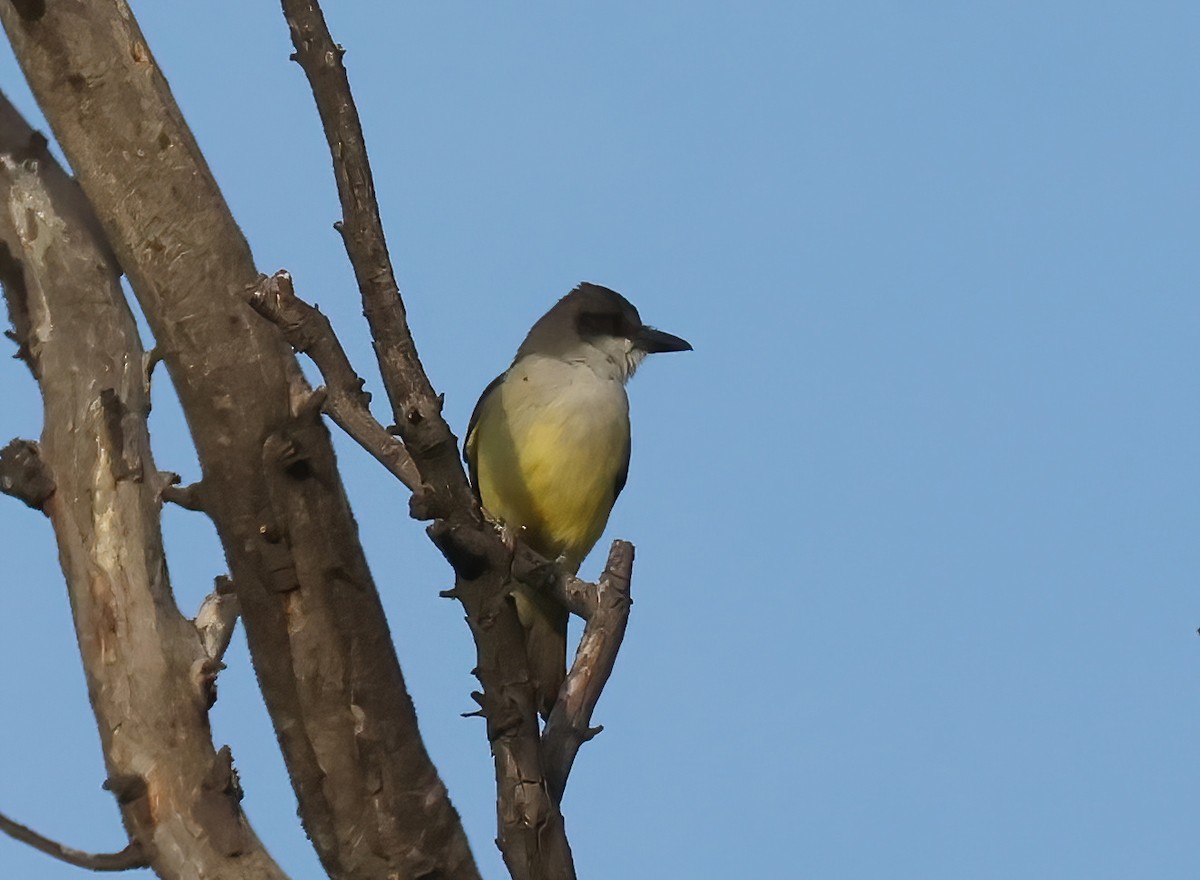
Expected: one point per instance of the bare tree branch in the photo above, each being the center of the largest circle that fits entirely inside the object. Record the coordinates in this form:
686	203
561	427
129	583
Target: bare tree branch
309	331
137	649
608	614
130	857
409	391
369	796
189	497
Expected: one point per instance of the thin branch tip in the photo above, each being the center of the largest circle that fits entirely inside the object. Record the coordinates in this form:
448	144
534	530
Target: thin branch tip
189	497
132	856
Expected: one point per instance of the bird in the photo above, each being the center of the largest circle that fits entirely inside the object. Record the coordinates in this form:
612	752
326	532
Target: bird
548	445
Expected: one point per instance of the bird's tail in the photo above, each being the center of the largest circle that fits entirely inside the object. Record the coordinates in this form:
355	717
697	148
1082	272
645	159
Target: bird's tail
545	622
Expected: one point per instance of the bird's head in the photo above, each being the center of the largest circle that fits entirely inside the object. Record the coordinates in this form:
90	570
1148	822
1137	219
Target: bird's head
598	325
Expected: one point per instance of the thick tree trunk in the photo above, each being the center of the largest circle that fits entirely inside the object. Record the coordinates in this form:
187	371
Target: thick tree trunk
148	674
369	796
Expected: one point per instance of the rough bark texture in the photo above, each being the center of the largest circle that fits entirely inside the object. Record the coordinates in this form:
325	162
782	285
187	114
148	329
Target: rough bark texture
148	674
369	797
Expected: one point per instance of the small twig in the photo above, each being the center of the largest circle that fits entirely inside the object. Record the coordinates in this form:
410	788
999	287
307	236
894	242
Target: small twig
309	331
189	497
568	727
130	857
24	475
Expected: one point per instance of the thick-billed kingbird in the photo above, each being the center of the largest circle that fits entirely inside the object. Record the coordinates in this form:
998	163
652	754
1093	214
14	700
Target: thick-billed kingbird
548	448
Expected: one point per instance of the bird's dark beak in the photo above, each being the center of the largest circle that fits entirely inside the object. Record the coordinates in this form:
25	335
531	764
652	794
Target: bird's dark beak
654	341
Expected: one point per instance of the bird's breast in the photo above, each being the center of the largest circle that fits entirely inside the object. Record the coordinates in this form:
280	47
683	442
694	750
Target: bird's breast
549	446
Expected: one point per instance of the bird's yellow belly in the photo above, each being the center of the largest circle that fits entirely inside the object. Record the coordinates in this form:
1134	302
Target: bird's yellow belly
551	470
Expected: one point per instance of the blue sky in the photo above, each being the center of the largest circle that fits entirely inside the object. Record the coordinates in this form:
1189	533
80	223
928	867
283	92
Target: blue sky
916	522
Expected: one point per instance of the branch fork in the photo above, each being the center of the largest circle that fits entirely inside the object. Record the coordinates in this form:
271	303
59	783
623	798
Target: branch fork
308	331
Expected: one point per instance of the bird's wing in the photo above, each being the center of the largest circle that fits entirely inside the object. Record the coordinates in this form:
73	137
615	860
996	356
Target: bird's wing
469	444
623	473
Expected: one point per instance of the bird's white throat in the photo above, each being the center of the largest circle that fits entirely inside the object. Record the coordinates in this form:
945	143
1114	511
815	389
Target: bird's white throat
611	357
